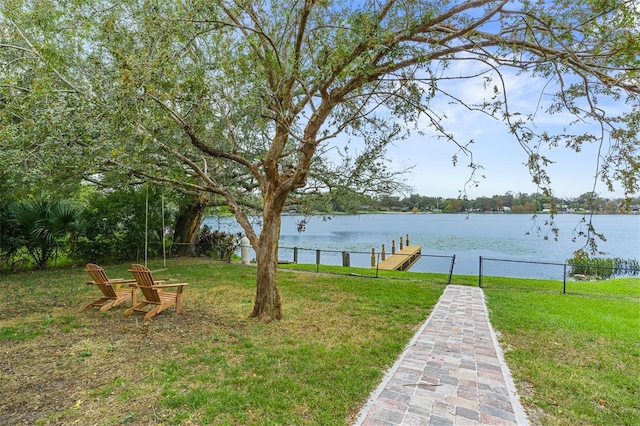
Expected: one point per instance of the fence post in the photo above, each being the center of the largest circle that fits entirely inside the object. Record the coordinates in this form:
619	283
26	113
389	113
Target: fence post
564	280
295	255
346	259
393	246
373	257
384	253
317	260
480	273
453	262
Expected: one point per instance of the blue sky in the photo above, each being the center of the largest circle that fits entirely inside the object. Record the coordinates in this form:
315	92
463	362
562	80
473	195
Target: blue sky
494	148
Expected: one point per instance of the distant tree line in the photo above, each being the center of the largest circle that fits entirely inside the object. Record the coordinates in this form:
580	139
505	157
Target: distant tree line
509	202
519	202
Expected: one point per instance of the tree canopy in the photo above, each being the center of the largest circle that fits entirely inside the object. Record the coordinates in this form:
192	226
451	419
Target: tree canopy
281	99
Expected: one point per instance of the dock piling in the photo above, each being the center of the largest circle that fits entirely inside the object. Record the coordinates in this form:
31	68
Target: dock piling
398	261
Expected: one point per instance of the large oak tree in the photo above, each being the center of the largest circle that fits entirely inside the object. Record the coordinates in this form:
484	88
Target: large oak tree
240	99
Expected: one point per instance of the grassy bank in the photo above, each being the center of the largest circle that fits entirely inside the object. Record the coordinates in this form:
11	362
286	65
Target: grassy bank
626	288
575	359
371	272
208	365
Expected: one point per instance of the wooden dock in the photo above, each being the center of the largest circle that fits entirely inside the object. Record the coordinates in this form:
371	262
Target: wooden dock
401	260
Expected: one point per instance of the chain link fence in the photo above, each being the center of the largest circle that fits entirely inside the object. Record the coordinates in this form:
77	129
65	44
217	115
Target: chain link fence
621	282
559	278
432	267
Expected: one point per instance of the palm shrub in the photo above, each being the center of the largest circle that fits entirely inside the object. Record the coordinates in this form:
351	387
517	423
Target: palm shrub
43	228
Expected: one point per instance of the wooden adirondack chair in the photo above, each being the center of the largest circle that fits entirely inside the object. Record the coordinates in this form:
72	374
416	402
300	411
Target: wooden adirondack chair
112	294
154	294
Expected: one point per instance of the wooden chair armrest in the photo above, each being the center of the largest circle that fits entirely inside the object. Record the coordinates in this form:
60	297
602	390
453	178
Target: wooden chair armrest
154	282
112	282
164	285
105	283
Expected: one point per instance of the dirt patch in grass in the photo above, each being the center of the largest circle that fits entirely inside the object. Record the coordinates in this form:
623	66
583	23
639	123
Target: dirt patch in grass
61	365
73	375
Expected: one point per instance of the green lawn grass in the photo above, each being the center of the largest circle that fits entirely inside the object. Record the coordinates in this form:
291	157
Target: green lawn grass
370	272
575	356
209	365
628	287
575	359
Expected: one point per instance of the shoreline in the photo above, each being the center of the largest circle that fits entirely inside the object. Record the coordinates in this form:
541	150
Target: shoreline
366	212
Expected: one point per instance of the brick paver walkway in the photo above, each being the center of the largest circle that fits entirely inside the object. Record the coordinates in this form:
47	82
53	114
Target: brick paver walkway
451	373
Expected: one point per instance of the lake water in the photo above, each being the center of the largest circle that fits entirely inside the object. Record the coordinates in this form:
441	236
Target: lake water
502	236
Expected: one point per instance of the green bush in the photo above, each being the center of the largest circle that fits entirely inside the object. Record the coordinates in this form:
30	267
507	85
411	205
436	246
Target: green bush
217	244
114	226
10	240
601	268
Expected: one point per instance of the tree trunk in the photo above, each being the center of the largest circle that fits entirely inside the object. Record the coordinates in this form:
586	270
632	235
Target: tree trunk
268	306
187	225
